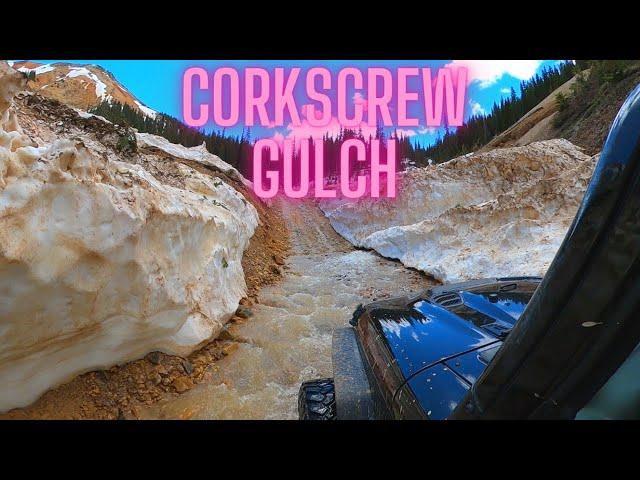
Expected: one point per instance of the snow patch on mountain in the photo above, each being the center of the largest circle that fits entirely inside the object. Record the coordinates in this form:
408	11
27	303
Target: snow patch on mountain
37	70
101	87
146	110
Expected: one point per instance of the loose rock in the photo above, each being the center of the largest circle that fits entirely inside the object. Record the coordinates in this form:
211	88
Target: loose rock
182	384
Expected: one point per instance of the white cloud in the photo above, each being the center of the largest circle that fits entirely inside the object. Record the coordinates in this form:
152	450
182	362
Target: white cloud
476	108
427	130
488	72
505	90
401	132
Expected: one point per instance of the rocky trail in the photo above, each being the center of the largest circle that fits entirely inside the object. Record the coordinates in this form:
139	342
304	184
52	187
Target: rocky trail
286	337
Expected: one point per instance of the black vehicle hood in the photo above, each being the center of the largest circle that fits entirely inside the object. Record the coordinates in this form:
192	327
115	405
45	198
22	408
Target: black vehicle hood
427	333
441	341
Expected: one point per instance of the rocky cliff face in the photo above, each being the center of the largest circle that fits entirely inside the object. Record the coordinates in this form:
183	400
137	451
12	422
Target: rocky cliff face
108	250
499	213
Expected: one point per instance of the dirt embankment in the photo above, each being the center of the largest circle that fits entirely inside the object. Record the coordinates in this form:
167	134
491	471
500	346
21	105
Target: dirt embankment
121	391
535	125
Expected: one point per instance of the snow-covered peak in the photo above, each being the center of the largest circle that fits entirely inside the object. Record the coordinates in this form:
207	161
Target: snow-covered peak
80	86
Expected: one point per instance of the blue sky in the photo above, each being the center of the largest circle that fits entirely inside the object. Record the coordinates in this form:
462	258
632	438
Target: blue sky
157	83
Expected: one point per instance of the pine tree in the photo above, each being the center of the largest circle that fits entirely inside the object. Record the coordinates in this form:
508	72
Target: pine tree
480	129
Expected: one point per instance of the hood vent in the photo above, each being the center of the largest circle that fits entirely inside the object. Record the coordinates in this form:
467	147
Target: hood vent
448	300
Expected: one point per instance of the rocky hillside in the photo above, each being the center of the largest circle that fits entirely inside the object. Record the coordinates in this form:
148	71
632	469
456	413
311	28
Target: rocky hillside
589	110
112	246
581	111
500	213
537	124
80	86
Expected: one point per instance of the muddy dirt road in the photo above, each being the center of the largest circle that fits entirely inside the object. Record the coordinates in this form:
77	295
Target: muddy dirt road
287	339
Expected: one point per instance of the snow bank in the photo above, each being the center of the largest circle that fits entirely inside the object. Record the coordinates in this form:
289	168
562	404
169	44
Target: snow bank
198	154
503	212
101	263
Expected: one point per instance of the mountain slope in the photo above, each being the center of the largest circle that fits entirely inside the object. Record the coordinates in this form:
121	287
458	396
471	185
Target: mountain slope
80	86
535	125
591	102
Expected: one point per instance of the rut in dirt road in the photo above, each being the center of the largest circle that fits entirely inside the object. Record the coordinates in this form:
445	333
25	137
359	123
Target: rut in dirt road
287	340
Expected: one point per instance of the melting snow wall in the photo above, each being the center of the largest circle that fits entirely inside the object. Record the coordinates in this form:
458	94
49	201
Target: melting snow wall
100	263
499	213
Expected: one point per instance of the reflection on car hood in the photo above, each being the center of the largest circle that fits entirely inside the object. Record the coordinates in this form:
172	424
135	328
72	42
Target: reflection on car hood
438	343
427	333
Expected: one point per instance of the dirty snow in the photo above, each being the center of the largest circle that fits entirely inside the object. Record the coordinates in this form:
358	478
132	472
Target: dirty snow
101	262
84	114
198	154
503	212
